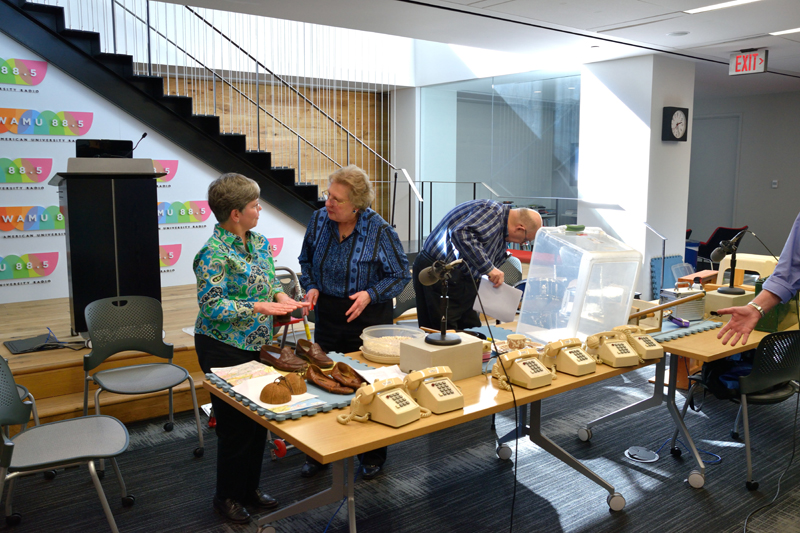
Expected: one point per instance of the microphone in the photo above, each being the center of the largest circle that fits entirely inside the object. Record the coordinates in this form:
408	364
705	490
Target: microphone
129	154
726	247
436	272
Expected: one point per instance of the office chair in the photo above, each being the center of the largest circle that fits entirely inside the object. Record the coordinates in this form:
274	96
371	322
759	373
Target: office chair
126	323
45	447
512	270
404	301
720	234
291	286
24	394
776	369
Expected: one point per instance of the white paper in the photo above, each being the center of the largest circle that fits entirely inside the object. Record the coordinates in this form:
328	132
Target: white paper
251	389
500	303
385	372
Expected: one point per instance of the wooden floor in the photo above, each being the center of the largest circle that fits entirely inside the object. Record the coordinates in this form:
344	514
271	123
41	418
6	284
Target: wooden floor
55	377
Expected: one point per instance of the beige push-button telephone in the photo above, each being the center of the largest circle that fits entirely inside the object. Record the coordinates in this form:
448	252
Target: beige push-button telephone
613	349
433	389
523	368
385	401
570	357
645	345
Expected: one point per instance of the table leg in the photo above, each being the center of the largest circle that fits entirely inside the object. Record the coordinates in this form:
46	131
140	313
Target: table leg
341	485
585	433
696	477
615	500
521	430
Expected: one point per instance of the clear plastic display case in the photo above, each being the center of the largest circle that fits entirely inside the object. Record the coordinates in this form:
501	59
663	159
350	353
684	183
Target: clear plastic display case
579	283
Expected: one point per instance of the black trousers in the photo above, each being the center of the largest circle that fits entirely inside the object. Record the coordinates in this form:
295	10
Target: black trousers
240	440
461	293
333	333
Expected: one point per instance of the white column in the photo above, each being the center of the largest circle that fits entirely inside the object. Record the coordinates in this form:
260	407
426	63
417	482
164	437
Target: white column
623	160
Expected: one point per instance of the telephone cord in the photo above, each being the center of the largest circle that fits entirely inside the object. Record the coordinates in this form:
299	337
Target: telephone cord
344	419
424	412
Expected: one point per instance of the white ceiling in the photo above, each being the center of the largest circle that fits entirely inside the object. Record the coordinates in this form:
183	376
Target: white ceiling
594	30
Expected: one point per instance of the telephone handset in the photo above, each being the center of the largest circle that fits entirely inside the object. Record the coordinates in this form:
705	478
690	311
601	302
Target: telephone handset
386	401
433	389
570	357
612	348
523	368
645	345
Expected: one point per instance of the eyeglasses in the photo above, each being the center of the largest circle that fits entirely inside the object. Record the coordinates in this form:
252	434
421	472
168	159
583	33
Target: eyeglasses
333	201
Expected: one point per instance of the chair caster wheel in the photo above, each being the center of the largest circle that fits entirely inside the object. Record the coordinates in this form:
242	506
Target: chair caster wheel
504	452
675	452
128	500
585	434
696	479
615	502
751	485
280	448
199	451
734	435
50	475
14	519
267	529
168	426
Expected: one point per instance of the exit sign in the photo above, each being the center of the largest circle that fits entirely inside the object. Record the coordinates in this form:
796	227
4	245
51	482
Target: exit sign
750	62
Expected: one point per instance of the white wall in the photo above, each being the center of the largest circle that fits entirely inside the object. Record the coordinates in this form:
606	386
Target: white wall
439	110
59	92
768	150
623	160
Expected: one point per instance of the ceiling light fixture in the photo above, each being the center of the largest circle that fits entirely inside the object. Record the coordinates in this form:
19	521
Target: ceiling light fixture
784	32
723	5
677	33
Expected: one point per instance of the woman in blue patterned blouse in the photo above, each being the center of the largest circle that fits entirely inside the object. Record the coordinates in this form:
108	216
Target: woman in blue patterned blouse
352	266
238	295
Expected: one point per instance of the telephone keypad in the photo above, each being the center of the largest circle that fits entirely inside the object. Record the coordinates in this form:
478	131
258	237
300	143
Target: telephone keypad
443	387
578	355
621	347
399	399
533	365
648	341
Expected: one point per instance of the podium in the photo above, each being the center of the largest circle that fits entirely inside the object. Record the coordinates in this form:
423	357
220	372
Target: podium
111	217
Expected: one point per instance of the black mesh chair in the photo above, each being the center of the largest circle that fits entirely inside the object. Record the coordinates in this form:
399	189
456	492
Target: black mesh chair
512	271
773	379
136	323
776	371
42	448
720	234
404	301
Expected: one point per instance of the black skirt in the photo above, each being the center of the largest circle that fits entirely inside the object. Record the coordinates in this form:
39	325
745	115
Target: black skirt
333	332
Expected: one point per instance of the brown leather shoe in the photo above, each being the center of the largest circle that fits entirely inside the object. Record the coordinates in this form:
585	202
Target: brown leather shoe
345	375
284	360
315	376
313	353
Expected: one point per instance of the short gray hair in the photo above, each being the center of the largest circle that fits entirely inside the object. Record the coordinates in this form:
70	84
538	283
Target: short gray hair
360	194
231	191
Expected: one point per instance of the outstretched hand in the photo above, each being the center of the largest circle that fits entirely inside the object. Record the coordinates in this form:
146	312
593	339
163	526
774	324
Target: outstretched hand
361	301
743	321
278	308
311	299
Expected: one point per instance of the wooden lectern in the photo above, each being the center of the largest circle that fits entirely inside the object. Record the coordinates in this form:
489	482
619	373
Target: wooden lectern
111	211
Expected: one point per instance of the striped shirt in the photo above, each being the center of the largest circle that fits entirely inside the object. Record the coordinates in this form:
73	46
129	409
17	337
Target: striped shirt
474	231
231	278
370	259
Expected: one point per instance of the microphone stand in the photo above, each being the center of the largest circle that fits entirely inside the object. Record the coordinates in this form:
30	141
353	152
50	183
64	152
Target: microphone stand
443	338
730	289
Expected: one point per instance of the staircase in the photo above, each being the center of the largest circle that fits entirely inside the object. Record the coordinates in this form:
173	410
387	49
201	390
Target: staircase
41	28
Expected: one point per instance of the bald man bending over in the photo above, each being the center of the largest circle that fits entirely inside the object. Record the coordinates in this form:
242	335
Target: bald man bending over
477	232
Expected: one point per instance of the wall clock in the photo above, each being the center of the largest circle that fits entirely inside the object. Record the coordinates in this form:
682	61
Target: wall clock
675	124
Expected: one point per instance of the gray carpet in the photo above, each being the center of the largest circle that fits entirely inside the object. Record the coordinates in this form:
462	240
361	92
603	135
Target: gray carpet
453	481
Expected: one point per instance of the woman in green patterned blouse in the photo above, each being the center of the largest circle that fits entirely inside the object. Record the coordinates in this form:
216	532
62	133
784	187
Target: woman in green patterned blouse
238	295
